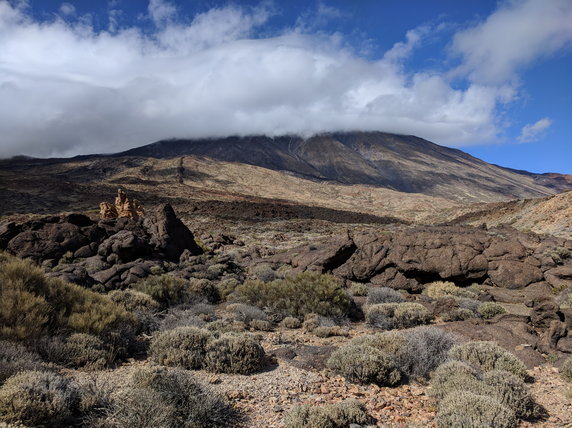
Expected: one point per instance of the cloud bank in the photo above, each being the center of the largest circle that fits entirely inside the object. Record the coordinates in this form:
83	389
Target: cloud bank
66	88
535	131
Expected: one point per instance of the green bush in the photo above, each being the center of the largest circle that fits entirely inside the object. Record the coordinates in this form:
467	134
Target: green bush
182	347
364	364
14	358
234	354
489	310
358	289
384	295
203	288
226	286
511	391
291	322
439	289
134	300
451	377
388	316
488	356
298	295
466	409
38	398
566	369
339	415
390	342
425	349
168	290
459	314
33	304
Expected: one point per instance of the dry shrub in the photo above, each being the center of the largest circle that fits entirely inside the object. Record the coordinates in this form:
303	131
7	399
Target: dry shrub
453	376
204	289
246	313
488	356
134	300
324	331
33	304
358	289
234	354
291	322
181	347
466	409
489	310
566	369
439	289
459	314
384	295
15	357
181	318
364	364
339	415
168	290
511	391
79	350
220	327
298	295
38	398
388	316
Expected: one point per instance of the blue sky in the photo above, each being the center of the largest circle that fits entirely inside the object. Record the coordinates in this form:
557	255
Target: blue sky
489	77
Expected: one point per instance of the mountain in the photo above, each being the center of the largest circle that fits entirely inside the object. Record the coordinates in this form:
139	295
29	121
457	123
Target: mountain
399	162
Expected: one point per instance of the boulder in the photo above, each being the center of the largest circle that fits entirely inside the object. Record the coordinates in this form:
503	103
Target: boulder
513	274
168	234
125	245
544	311
559	277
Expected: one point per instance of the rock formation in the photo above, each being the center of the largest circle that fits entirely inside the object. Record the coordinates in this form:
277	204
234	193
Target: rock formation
124	207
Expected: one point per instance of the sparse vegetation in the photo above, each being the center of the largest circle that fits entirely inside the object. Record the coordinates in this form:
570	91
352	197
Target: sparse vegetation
298	295
388	316
566	369
384	295
340	415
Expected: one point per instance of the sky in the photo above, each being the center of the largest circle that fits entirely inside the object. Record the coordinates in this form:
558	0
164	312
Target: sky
493	78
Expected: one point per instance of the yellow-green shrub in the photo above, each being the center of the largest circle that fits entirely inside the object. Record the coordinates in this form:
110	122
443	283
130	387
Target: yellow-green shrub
439	289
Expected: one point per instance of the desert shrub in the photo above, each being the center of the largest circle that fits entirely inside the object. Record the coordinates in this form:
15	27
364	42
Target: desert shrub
291	322
390	342
203	288
196	406
439	289
181	318
459	314
364	364
33	304
425	349
466	409
215	271
234	354
220	327
246	313
298	295
453	376
488	356
358	289
313	321
397	315
488	310
264	272
181	347
384	295
566	369
261	325
79	350
38	398
205	311
511	391
14	358
226	286
134	300
323	331
466	303
168	290
339	415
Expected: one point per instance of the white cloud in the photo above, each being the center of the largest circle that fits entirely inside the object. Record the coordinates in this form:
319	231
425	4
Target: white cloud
67	89
535	131
67	9
517	34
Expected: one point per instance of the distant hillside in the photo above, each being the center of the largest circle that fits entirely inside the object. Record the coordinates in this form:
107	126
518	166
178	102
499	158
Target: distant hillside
398	162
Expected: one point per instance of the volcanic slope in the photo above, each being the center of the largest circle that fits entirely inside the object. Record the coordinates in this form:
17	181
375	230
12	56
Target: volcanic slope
398	162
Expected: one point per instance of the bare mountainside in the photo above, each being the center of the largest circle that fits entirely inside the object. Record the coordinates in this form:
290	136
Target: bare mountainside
398	162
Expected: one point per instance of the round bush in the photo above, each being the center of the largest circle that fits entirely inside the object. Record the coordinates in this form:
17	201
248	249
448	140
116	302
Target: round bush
566	369
410	315
234	354
488	356
291	322
166	289
38	398
511	391
390	342
364	364
182	347
453	376
381	315
134	300
489	310
459	314
14	358
339	415
465	409
358	289
383	295
439	289
79	350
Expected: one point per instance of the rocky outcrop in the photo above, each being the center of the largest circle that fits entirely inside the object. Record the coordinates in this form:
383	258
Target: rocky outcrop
112	252
124	207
